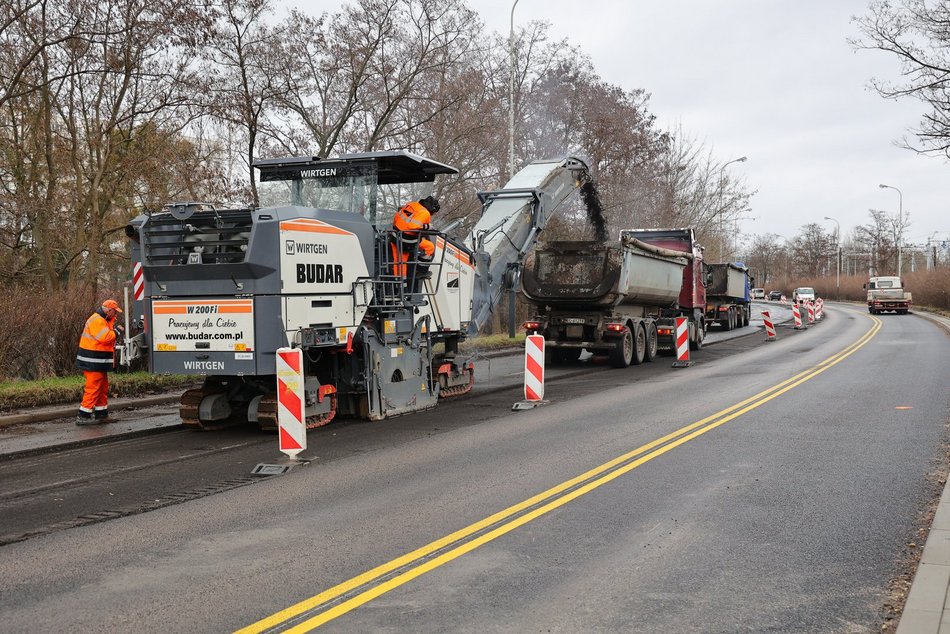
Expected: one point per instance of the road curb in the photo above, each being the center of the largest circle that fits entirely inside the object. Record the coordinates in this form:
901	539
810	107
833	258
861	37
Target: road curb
925	608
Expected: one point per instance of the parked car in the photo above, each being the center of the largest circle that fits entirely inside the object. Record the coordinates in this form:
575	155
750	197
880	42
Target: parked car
758	293
774	296
803	293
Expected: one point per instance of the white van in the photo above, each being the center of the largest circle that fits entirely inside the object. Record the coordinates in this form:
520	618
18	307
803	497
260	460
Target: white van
758	293
802	294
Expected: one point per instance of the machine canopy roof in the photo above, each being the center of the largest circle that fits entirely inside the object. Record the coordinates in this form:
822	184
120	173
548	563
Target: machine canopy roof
391	167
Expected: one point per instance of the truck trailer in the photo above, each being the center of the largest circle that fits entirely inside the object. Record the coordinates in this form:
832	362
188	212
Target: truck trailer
613	298
728	298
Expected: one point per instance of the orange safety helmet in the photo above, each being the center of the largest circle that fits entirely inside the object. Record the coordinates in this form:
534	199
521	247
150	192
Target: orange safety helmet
111	303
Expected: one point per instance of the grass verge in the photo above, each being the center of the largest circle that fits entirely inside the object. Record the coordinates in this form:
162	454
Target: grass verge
68	389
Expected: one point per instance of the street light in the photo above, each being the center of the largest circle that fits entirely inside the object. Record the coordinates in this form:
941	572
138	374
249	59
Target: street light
900	218
837	257
722	232
511	94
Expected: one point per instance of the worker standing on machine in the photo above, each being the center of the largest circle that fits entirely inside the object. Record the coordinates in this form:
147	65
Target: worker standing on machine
411	253
96	359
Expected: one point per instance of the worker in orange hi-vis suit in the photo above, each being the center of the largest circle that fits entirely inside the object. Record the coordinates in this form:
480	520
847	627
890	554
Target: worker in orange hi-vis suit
95	359
412	218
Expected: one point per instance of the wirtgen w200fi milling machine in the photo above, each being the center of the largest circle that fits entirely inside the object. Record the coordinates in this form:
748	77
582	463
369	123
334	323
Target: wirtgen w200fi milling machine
313	268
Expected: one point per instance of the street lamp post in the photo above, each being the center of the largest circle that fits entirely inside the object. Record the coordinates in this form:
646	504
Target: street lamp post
511	94
837	257
722	237
900	218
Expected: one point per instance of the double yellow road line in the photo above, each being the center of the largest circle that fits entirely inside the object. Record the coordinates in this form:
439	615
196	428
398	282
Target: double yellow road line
349	595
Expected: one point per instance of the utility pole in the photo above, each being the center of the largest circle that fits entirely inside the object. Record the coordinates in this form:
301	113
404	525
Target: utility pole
511	94
837	257
900	220
722	237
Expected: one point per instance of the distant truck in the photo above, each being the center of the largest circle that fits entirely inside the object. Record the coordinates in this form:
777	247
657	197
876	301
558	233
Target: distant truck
728	296
886	294
618	298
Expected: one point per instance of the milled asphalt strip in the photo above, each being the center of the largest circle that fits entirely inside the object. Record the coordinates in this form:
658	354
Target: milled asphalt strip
12	495
359	590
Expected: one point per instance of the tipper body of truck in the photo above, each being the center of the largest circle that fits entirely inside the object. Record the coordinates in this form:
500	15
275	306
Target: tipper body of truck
728	299
613	298
886	294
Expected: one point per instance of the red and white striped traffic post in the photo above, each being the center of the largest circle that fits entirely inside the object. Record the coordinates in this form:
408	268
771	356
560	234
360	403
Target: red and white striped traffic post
291	423
682	343
797	314
138	281
784	301
769	326
819	308
533	373
291	413
811	313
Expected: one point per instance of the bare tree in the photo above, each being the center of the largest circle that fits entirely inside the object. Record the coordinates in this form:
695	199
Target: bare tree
245	82
917	33
765	257
811	251
362	79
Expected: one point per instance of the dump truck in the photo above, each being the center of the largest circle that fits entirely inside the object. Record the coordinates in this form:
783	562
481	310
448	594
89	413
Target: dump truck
691	302
728	299
219	291
608	298
887	294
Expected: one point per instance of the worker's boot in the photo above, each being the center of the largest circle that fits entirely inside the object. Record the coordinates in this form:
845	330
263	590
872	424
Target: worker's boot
102	416
85	418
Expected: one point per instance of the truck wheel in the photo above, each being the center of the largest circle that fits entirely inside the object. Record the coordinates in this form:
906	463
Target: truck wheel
730	320
622	353
696	343
652	337
640	345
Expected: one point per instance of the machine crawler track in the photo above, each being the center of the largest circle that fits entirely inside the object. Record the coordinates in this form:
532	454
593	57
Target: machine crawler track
459	390
188	409
267	413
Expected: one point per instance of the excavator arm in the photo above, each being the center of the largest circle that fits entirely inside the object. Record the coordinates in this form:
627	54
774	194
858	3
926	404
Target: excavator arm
512	218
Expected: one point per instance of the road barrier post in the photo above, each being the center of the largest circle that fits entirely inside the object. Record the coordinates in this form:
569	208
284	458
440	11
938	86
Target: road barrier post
138	281
291	415
682	343
811	313
797	314
533	373
769	326
819	308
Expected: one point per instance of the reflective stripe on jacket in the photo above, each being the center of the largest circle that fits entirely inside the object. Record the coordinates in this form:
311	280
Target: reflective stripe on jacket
411	218
97	344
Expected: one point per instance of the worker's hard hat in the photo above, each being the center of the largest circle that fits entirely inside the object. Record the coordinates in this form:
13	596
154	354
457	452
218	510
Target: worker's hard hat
111	303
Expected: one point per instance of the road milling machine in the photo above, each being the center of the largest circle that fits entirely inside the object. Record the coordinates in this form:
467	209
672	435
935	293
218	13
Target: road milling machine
313	268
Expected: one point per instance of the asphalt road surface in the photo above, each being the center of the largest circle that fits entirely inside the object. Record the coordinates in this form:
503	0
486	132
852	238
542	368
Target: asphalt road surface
770	487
